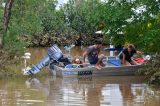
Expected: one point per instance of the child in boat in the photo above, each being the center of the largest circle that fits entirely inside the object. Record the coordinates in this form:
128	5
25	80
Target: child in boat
76	63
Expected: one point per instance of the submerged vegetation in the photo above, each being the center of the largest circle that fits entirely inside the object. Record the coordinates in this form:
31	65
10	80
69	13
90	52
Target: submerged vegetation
29	23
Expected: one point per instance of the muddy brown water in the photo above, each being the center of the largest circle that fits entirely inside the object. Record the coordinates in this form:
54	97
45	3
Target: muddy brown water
82	91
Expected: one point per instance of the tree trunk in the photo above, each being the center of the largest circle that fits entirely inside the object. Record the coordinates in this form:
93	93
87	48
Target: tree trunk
6	18
7	14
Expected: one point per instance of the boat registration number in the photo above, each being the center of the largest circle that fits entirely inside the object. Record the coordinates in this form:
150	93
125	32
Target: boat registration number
82	73
79	73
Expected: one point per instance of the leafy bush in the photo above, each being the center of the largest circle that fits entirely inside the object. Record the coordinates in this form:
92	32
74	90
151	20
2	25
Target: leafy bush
152	70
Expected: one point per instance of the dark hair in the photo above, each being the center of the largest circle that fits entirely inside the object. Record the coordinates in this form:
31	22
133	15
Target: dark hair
98	42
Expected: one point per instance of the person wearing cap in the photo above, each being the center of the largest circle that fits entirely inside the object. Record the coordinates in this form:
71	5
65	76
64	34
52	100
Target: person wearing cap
126	55
92	52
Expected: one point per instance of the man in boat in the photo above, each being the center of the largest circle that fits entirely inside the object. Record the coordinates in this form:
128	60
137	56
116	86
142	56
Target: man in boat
92	53
127	54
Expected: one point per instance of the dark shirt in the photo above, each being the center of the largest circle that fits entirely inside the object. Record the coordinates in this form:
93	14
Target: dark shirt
92	53
127	54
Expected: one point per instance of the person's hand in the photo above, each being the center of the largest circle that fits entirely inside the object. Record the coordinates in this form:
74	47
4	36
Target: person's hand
85	64
138	52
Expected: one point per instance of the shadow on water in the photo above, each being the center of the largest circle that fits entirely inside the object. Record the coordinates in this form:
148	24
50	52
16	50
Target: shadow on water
82	91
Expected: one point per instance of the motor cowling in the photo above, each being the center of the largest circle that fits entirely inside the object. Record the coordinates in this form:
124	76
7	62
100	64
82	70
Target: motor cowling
54	52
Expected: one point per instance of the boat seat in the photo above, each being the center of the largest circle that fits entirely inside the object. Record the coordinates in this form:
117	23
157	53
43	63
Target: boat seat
72	66
115	62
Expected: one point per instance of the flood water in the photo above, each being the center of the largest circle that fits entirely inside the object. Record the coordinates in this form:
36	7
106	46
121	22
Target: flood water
82	91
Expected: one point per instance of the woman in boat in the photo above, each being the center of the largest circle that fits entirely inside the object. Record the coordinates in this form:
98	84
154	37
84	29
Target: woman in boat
126	55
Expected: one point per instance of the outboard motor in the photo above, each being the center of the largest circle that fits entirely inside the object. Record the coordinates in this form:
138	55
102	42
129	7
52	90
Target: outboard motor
54	54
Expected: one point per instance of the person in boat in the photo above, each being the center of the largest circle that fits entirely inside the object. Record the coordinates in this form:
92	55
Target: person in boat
77	60
127	54
92	52
76	63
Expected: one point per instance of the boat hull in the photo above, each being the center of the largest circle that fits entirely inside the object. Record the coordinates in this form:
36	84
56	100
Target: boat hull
92	71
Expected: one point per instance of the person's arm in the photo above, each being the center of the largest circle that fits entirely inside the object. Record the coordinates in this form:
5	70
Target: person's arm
87	51
84	56
123	59
98	52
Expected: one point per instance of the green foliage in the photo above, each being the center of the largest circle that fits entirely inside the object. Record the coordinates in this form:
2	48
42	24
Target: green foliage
114	15
79	15
145	35
81	18
13	43
25	16
53	20
26	20
89	16
30	17
1	13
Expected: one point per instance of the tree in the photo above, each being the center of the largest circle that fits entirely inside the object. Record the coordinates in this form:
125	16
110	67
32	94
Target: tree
80	17
6	18
7	13
144	29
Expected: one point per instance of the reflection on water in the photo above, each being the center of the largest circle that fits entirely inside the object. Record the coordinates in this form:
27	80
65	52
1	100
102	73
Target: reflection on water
84	91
